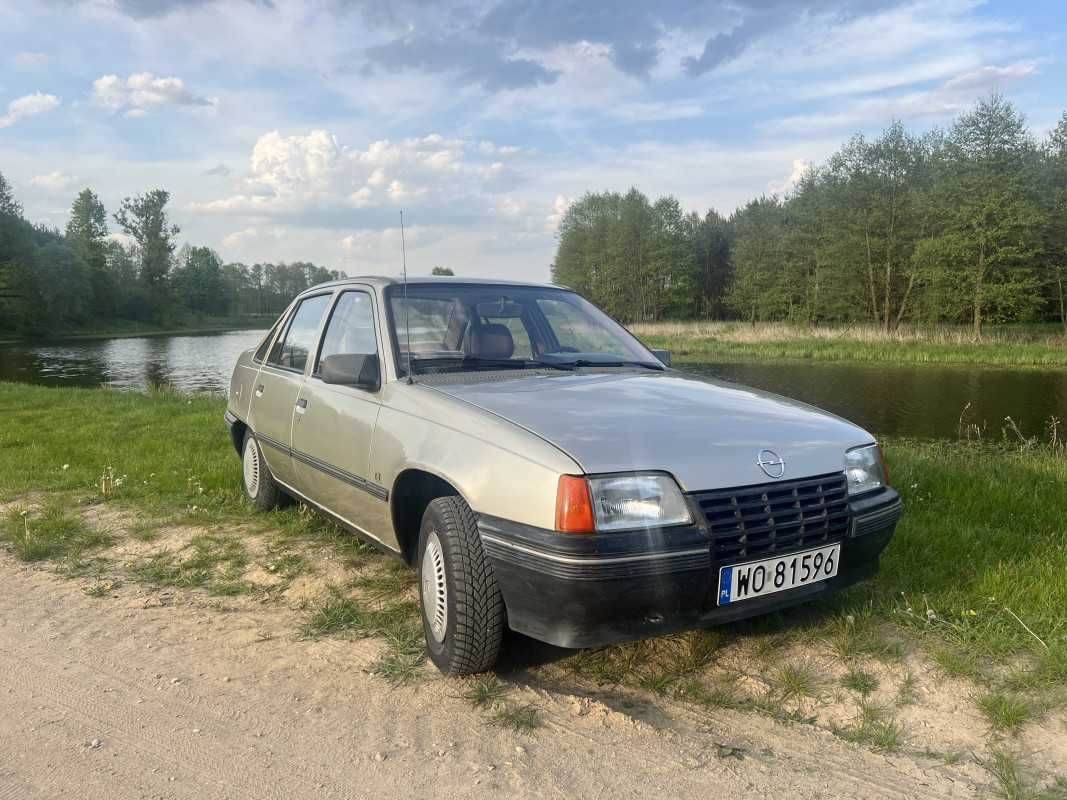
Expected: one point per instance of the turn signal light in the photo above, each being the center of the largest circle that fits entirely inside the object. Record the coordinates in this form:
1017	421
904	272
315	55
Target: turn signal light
574	509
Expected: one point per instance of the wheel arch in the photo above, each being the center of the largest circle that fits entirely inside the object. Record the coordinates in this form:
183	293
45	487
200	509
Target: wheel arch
237	435
412	491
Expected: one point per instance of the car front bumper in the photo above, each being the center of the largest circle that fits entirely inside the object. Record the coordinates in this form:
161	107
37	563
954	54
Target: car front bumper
590	590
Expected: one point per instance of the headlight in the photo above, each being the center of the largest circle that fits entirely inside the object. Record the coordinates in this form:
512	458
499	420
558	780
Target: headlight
864	469
637	501
619	502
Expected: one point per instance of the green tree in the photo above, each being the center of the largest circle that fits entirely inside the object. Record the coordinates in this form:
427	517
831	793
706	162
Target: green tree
198	281
710	240
982	196
1054	193
13	246
87	235
144	219
757	291
442	271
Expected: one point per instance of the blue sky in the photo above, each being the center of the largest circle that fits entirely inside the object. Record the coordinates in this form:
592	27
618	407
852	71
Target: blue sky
290	131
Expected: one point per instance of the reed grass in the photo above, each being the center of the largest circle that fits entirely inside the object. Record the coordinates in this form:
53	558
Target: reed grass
1040	346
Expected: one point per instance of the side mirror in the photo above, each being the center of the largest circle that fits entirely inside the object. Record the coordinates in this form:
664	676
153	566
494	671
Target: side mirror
346	369
663	355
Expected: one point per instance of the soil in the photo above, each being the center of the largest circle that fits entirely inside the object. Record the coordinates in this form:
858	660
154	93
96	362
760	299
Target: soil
146	693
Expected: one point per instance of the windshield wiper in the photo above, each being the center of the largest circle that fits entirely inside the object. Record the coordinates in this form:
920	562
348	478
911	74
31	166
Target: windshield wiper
590	362
477	362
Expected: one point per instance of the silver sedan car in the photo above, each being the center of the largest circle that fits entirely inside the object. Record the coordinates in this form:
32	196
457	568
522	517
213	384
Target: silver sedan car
544	471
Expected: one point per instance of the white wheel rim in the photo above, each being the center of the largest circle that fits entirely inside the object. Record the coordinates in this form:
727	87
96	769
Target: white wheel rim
434	588
251	468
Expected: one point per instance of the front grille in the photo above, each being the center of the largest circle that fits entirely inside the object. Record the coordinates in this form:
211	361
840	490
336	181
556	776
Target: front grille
752	521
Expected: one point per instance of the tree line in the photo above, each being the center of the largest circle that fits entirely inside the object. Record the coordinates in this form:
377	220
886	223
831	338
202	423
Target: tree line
52	280
964	225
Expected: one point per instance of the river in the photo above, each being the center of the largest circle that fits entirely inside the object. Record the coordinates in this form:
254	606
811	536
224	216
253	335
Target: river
889	399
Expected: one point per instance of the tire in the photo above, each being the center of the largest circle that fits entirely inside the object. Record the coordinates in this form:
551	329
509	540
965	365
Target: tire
463	615
260	487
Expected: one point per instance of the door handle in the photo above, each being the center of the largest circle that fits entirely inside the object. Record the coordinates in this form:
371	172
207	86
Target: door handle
259	390
301	405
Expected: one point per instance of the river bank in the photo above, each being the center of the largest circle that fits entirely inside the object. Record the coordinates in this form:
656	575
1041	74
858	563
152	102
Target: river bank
955	655
132	330
1022	346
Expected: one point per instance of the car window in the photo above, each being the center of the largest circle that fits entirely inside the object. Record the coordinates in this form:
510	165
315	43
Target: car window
432	325
519	334
292	349
261	351
350	329
576	331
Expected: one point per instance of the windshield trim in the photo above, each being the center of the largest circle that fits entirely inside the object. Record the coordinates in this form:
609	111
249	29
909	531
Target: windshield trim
394	332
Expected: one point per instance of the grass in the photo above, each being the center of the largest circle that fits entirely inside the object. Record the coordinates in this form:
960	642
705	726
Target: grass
796	680
52	533
874	727
1005	712
976	576
392	580
521	719
1014	783
208	561
1038	346
860	681
124	329
485	691
342	614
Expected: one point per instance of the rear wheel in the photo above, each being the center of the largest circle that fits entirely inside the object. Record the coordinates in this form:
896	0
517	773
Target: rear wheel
260	487
462	610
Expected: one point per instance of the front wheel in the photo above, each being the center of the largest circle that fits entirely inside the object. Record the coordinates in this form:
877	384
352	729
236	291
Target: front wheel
260	487
462	610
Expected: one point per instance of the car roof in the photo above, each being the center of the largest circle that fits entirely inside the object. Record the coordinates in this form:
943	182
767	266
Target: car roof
382	281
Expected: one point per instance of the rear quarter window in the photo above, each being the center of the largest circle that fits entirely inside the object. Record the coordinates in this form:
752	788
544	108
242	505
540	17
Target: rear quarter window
261	351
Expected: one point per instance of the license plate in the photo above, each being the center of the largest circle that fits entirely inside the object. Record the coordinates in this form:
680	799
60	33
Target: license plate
770	575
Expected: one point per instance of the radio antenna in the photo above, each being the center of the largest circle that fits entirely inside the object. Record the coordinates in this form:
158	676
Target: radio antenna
407	307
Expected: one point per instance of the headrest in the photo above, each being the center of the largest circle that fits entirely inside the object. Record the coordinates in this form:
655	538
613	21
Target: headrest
492	341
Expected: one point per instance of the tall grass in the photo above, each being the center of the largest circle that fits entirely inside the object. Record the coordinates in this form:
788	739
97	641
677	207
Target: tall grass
1008	345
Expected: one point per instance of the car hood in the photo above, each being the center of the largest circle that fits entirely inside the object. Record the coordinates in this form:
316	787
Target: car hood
707	433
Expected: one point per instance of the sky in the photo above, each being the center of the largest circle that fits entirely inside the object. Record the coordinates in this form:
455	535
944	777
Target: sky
299	131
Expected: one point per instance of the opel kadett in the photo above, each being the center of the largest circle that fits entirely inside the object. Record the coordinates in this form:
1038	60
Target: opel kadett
544	471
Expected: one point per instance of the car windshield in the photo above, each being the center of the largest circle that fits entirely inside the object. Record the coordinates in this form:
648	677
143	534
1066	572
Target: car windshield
468	327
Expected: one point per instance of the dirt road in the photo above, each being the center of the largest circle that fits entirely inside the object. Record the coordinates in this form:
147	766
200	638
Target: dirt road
148	695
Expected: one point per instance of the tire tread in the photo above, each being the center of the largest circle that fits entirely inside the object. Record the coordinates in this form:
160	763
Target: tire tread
481	618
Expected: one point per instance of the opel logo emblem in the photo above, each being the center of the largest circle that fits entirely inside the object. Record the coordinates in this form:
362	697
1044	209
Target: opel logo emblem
772	464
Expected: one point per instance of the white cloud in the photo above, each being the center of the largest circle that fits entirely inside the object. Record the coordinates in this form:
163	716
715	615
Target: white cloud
944	100
251	236
28	106
559	208
54	181
142	91
800	168
315	173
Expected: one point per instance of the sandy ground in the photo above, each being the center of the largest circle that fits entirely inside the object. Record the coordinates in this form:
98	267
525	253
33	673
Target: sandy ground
162	695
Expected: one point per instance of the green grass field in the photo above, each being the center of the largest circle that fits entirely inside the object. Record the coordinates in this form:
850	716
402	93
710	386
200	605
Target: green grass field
973	586
1036	346
979	558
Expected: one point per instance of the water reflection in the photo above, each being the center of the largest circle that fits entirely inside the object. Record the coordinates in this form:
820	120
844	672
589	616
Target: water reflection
190	363
922	401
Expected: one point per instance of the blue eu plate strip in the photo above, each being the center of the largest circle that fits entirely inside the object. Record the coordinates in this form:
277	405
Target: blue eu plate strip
725	577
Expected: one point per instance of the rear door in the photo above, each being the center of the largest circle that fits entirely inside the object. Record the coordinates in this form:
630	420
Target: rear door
279	382
334	425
